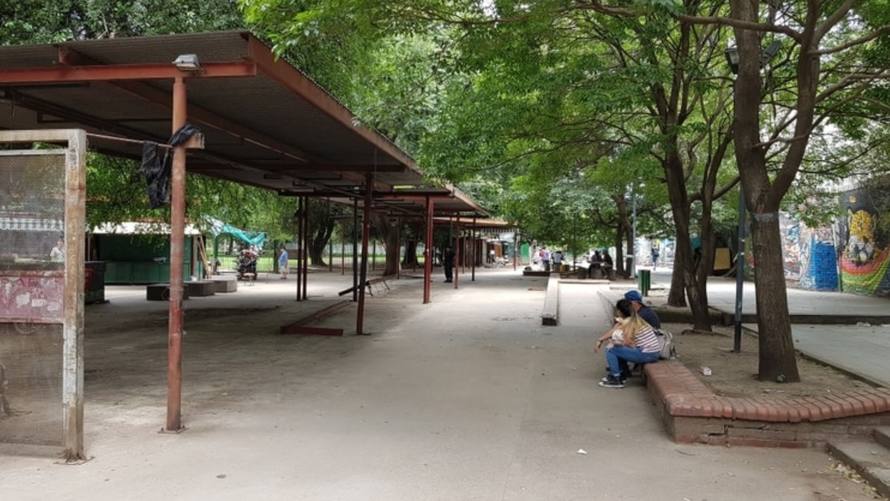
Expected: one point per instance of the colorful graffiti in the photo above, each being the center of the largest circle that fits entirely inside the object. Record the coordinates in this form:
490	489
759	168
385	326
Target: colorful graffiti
866	229
809	254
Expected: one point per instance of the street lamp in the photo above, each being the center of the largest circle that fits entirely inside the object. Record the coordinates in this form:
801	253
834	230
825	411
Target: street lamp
732	58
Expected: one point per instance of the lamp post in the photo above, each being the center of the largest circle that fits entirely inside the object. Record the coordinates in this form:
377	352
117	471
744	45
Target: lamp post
732	59
739	275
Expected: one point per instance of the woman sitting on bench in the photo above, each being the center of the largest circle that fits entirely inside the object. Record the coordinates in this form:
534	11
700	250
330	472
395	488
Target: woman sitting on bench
632	340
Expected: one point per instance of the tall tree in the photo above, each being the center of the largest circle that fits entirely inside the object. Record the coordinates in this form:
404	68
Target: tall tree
835	51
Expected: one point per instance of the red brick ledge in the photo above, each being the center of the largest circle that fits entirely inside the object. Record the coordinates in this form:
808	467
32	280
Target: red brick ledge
682	394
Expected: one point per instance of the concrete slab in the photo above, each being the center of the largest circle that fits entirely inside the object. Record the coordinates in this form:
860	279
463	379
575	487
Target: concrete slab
467	398
201	288
860	350
225	284
870	459
805	306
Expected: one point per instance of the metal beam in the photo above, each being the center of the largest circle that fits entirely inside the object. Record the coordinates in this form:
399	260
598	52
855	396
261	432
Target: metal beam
147	92
110	72
276	165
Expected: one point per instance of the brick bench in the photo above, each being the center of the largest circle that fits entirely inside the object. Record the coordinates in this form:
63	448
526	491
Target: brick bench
693	413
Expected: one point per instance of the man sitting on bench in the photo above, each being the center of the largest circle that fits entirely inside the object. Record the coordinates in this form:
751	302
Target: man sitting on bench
645	312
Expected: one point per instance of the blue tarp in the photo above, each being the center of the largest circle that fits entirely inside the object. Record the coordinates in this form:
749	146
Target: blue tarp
253	238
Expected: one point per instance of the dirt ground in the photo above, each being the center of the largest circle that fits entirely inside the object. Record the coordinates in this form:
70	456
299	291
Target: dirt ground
466	398
734	374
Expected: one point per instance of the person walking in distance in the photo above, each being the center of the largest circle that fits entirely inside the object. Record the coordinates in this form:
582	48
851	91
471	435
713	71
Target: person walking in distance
448	264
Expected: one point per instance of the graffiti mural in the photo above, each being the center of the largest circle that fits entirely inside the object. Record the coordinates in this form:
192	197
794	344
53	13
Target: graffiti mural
791	245
865	227
808	253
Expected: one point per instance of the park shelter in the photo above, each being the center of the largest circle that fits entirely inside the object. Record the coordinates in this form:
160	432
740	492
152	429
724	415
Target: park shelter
263	123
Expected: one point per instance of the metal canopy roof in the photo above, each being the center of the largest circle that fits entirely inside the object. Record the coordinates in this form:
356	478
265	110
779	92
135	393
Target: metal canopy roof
265	123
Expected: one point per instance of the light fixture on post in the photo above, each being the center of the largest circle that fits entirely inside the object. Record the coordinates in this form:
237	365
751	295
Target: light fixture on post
732	58
187	62
767	54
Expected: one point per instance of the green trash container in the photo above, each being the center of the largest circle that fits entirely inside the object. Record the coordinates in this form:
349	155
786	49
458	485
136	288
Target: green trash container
645	281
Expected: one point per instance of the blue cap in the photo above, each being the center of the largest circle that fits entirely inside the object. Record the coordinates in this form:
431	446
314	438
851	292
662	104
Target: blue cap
633	295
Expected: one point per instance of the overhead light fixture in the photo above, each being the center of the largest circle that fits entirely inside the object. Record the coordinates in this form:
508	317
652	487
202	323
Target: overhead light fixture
187	62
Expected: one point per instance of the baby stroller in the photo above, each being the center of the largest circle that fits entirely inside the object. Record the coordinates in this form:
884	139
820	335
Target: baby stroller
247	265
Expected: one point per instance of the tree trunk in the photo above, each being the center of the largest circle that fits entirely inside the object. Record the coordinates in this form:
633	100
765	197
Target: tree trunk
631	256
321	229
777	357
389	232
620	229
276	249
619	251
677	294
410	258
697	288
318	242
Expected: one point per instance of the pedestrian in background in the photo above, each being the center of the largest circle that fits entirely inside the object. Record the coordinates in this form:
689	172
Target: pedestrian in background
282	263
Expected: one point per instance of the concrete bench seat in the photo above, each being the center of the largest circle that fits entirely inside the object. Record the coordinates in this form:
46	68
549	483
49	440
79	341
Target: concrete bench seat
201	288
161	292
225	285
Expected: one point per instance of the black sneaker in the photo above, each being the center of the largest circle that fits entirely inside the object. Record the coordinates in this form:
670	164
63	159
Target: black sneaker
612	382
624	375
605	379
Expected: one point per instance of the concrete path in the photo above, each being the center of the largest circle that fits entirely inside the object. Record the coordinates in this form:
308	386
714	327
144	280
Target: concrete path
466	398
721	295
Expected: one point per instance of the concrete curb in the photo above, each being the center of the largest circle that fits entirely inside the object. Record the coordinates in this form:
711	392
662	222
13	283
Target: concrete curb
550	315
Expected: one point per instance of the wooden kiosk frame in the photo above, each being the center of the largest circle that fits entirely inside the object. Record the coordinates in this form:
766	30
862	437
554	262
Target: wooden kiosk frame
74	145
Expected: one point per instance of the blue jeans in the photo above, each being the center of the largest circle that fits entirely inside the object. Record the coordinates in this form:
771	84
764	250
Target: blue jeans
618	356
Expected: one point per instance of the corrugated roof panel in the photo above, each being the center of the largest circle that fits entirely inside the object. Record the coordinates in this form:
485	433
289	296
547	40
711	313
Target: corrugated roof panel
267	111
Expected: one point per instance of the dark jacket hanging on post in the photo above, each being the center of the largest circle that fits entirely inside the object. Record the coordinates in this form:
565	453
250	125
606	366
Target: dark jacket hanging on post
156	165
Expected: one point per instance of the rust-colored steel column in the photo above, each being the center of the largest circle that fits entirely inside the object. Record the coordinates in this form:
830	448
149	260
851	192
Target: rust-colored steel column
305	248
428	252
515	246
177	243
398	248
457	258
355	249
299	248
473	262
330	242
366	233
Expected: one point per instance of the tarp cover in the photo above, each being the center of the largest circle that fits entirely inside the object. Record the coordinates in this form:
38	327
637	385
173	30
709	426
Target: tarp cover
254	238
